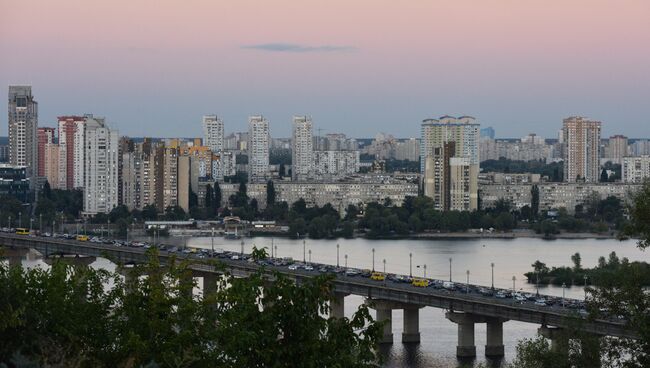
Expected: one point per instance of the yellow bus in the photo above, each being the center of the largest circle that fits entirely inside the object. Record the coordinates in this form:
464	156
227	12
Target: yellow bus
377	276
22	231
420	282
82	237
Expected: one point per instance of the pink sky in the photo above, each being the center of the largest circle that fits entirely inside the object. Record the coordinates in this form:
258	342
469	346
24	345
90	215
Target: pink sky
363	66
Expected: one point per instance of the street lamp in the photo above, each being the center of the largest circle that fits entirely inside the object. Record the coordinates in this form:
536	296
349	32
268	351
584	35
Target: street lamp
242	248
310	256
384	261
449	269
346	261
304	258
537	282
9	222
467	287
563	288
492	265
411	265
31	223
585	277
212	242
373	259
513	284
20	219
337	255
40	223
272	254
276	251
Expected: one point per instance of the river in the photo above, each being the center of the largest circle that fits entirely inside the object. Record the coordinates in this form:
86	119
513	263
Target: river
511	257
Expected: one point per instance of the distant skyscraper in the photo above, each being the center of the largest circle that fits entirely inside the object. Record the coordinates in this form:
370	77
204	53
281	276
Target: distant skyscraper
213	133
582	149
258	148
448	142
100	166
23	124
616	149
487	132
71	151
45	137
302	149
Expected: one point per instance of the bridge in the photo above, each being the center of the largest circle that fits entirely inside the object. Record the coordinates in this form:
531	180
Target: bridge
463	308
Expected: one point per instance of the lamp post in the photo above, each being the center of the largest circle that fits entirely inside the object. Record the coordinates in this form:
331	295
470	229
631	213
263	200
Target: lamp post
212	240
108	228
513	284
40	223
425	271
31	223
384	261
492	265
537	282
411	265
20	219
337	255
467	285
53	227
373	259
9	222
563	288
585	278
272	254
310	256
242	248
276	251
449	269
346	261
304	257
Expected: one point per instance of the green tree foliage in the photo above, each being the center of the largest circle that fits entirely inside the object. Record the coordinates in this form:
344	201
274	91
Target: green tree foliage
640	216
552	170
534	201
149	212
175	213
66	317
270	193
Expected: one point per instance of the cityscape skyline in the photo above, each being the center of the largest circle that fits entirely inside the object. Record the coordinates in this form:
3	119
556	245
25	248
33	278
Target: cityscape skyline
163	70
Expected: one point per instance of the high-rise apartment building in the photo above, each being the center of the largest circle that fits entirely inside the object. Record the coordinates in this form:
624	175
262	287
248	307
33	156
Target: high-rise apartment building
71	151
23	124
258	148
45	136
213	133
444	139
582	149
636	169
100	179
302	149
616	149
51	164
463	130
166	177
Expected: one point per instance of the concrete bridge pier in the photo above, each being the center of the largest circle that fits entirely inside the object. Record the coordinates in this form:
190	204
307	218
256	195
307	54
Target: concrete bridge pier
337	305
466	347
209	282
14	256
559	342
411	333
494	342
385	315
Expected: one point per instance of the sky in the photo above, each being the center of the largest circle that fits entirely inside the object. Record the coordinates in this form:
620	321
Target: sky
154	67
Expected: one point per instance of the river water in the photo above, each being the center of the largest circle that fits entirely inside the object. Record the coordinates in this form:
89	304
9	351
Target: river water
511	257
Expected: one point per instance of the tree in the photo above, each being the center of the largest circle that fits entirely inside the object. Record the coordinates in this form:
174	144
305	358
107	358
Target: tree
640	216
217	197
534	200
603	176
209	193
577	261
149	212
282	171
270	193
46	192
65	316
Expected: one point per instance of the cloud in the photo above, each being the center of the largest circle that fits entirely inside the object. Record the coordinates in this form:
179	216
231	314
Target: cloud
292	47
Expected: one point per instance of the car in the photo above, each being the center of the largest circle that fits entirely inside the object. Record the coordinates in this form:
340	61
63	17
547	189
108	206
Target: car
378	276
234	257
420	282
449	285
309	268
351	272
293	267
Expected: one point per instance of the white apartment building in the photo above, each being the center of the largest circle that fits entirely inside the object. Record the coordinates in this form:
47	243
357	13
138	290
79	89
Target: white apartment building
213	133
636	169
223	164
100	167
258	148
463	130
335	164
616	149
554	195
302	149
